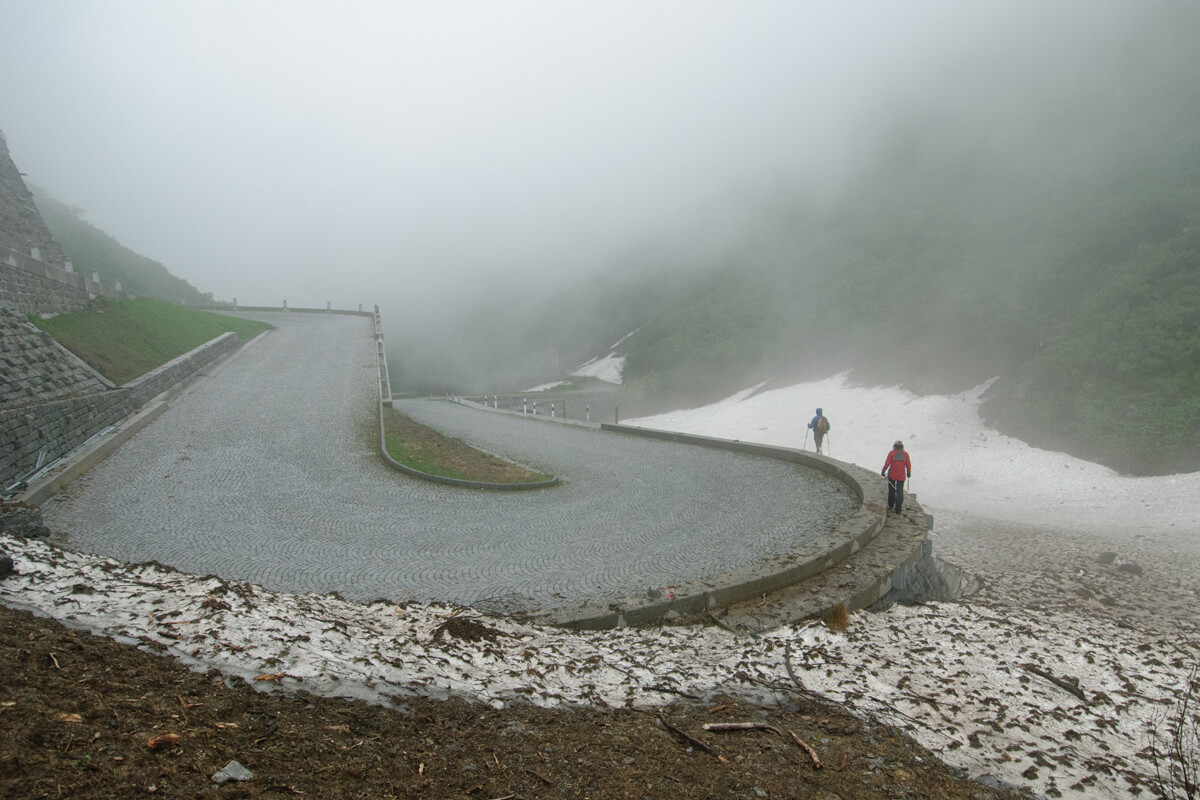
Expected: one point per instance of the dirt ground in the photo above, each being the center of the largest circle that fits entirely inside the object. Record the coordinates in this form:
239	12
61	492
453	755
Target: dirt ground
86	717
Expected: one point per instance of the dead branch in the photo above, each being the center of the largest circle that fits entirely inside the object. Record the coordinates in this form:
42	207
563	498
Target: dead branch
922	698
692	739
1059	682
787	662
763	726
741	726
807	748
540	777
274	726
619	669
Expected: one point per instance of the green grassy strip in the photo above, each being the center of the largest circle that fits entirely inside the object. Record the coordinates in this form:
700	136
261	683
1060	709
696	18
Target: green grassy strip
410	455
478	466
125	339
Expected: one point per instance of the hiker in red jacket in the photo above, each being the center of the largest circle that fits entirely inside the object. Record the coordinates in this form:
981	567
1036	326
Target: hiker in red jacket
897	468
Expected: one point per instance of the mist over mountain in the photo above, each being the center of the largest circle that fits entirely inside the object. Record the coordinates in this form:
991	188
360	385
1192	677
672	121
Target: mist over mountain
933	195
92	250
1031	215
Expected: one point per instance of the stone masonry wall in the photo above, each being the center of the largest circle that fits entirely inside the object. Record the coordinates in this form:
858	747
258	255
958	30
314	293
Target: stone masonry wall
35	274
56	428
146	388
28	286
36	369
50	401
60	426
21	225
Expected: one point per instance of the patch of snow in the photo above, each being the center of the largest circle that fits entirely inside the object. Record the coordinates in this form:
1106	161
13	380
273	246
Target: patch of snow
957	677
959	464
546	386
607	368
623	339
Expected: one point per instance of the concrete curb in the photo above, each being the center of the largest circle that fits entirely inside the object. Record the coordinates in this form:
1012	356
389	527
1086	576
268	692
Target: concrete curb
697	598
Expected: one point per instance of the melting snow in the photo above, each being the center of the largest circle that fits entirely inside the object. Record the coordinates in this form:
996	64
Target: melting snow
964	679
606	368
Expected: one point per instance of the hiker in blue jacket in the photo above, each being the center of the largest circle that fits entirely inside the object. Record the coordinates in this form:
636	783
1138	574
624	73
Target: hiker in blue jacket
819	426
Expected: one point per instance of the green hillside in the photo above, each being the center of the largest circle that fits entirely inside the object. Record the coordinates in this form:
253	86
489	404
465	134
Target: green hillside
1061	254
92	250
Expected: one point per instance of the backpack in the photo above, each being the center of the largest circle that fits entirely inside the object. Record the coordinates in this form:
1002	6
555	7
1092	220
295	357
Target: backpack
822	425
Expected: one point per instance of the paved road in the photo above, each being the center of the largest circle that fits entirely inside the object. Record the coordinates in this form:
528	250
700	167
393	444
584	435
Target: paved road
266	471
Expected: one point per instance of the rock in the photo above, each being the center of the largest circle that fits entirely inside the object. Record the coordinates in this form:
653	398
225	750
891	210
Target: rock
515	727
929	580
22	522
1132	569
826	794
1107	557
6	566
233	771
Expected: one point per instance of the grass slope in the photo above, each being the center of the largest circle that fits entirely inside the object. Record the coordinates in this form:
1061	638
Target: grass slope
125	339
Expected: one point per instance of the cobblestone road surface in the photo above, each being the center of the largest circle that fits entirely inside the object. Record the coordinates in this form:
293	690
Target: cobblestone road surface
267	471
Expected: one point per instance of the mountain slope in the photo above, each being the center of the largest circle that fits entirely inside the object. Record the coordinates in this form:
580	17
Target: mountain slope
92	250
1058	251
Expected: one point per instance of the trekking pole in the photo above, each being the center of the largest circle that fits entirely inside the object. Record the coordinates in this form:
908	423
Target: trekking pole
828	445
806	438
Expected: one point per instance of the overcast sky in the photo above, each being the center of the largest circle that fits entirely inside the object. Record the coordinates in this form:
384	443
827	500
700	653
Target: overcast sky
370	151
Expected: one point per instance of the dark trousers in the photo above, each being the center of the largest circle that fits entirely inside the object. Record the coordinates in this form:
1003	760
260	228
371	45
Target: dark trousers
820	437
895	494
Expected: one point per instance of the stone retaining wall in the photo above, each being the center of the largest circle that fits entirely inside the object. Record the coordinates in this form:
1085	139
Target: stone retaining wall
30	286
146	388
58	427
35	274
21	225
36	369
